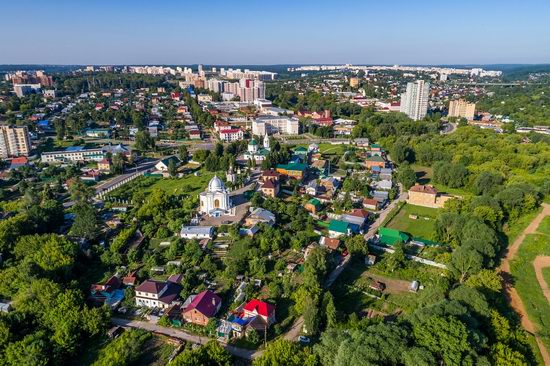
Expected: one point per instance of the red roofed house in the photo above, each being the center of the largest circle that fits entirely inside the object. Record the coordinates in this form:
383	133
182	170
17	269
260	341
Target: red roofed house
202	307
370	204
257	308
19	162
233	134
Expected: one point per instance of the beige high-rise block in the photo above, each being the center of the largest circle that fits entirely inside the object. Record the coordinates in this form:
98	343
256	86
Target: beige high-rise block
462	109
14	141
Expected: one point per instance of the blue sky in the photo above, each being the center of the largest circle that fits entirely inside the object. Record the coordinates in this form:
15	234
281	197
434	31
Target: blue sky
275	32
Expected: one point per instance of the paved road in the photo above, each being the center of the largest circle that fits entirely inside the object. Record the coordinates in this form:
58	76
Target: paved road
235	351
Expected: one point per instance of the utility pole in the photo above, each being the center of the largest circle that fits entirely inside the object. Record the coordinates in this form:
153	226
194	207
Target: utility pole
265	335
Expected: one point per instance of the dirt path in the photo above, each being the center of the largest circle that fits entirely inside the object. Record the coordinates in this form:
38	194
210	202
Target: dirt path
539	263
510	291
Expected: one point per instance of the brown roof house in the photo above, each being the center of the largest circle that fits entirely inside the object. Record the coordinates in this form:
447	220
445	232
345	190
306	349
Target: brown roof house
427	196
200	308
158	294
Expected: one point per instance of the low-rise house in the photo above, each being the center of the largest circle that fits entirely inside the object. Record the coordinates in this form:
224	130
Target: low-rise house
164	163
385	185
200	308
255	314
270	188
329	243
385	173
381	196
91	175
295	170
109	293
104	165
313	206
389	236
260	215
427	196
230	135
357	217
18	162
371	204
339	228
270	174
375	160
197	232
157	294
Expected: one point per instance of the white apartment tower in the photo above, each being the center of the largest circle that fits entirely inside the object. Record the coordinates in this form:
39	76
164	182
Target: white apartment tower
414	102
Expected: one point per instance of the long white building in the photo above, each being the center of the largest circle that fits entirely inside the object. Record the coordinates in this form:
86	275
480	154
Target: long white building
414	102
271	125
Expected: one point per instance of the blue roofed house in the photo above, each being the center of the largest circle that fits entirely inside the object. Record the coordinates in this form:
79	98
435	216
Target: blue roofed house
109	293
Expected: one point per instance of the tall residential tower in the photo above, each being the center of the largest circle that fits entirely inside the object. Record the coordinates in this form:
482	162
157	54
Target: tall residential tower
414	102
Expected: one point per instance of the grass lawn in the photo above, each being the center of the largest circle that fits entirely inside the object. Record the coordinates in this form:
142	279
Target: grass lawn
420	227
189	184
536	305
544	226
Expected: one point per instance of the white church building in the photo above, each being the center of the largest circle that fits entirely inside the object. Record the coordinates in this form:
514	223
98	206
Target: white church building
215	200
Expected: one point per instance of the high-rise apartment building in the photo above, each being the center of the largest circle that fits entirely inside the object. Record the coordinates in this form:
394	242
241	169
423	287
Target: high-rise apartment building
462	109
414	102
14	141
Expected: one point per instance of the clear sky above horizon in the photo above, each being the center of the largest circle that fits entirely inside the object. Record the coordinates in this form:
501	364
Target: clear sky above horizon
277	32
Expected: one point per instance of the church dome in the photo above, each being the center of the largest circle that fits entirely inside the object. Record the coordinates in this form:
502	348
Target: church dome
216	185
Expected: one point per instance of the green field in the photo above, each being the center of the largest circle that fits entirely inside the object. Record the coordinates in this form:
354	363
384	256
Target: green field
536	305
189	184
420	227
544	226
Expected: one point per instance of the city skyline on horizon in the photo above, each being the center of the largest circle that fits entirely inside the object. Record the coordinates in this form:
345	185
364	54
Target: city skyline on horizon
248	33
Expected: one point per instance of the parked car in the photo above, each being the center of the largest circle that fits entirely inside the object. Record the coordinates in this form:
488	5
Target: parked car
304	340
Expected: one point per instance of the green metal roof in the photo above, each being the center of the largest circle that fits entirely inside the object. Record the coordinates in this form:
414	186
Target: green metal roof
300	149
315	202
391	236
338	226
253	142
294	166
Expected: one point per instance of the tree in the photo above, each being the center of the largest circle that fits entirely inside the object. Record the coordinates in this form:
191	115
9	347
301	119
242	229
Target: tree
401	153
124	350
144	141
210	354
356	245
85	223
118	162
31	350
311	316
396	259
406	176
283	352
465	262
486	182
80	191
172	169
330	309
446	337
183	154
